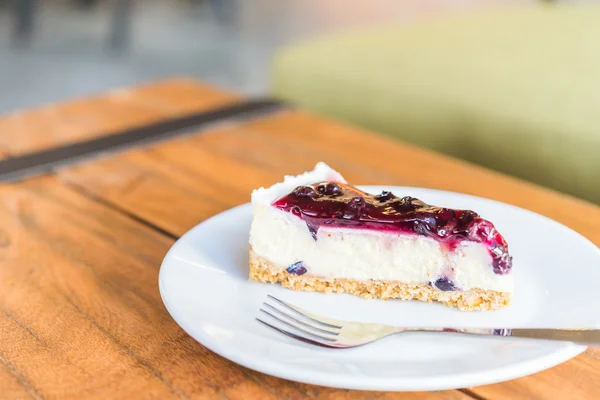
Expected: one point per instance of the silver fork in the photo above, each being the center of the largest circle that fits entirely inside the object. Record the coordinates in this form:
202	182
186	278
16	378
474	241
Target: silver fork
338	334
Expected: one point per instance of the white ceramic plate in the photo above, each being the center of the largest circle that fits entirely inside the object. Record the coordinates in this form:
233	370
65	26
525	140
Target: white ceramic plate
203	283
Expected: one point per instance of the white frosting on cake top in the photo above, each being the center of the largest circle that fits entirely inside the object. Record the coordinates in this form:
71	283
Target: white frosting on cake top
321	172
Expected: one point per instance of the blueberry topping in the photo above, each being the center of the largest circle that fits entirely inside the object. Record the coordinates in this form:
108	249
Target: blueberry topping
354	208
407	204
444	284
426	225
501	260
297	268
330	189
385	196
340	205
305	191
446	215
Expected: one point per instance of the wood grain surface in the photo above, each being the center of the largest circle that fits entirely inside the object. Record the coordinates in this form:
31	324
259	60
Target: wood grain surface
80	312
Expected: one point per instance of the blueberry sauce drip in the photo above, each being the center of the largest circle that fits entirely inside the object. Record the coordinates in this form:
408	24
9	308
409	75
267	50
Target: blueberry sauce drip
341	205
297	268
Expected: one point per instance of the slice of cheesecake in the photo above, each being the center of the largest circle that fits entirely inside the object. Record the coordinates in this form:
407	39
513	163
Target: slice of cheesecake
314	232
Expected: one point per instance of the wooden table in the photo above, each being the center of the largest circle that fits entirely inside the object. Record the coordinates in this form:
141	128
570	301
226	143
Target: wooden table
80	249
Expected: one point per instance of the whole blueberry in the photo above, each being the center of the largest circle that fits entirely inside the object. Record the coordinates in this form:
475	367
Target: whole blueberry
330	189
385	196
444	284
305	191
354	208
297	268
414	202
405	204
466	218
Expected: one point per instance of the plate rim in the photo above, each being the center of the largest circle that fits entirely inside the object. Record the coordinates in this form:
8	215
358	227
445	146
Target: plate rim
340	380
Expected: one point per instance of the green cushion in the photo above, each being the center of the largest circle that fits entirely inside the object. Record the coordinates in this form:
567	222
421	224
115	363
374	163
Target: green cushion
517	90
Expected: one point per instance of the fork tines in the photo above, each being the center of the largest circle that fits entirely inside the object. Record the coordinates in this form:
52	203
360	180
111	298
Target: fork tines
298	324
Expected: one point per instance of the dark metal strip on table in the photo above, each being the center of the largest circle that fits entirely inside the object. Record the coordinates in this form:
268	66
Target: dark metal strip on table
29	165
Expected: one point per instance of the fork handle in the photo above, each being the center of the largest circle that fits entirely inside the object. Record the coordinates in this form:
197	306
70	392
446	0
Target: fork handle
587	337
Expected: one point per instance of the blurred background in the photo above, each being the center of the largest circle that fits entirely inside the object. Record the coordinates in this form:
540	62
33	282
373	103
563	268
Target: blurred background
56	49
513	85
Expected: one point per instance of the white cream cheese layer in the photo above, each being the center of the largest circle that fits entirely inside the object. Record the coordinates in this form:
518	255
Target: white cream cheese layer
363	254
